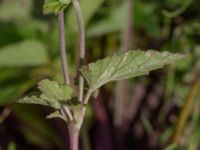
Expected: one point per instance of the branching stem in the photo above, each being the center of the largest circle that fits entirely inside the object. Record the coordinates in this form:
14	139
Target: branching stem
74	128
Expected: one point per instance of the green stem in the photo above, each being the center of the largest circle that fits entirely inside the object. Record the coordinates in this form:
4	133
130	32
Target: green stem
186	110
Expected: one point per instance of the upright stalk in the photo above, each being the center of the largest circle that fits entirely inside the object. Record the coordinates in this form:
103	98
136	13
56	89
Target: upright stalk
74	137
63	54
74	128
73	134
122	97
80	22
61	27
129	27
186	111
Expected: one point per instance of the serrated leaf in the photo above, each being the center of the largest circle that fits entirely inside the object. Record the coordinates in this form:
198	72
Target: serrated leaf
40	101
56	114
52	90
125	65
52	94
26	53
54	6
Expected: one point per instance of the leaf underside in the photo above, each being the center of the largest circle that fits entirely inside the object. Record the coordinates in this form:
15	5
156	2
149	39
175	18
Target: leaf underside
56	114
52	94
125	65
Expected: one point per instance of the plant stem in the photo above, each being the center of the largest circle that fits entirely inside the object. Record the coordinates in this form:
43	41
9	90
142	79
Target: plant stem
87	96
74	128
186	110
63	54
74	136
129	27
121	100
81	29
61	27
5	113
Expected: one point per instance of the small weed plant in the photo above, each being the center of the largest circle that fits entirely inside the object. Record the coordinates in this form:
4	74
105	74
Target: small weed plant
70	99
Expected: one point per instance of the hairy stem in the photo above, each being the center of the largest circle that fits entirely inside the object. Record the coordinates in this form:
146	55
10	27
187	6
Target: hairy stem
81	29
63	54
61	27
74	137
74	128
87	96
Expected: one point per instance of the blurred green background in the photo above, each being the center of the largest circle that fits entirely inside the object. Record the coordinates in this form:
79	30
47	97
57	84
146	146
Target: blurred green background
159	106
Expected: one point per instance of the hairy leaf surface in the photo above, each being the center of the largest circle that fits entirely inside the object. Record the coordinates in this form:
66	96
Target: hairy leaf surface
55	91
40	100
125	65
52	94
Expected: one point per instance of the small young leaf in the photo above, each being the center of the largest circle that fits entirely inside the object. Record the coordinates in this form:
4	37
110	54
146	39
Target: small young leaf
125	65
53	95
52	90
54	6
40	101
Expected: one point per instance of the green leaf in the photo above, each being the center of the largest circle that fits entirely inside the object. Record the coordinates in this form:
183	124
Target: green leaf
53	95
12	146
114	22
42	133
40	100
56	114
10	92
88	8
52	90
25	53
54	6
125	65
172	147
15	10
146	11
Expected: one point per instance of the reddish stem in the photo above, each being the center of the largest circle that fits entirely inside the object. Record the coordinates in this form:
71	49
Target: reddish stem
73	137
